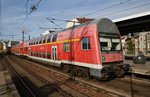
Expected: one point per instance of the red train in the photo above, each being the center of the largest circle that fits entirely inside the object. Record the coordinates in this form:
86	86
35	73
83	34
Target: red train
93	48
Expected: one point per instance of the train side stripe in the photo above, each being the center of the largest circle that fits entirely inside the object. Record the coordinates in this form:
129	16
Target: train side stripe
63	41
94	66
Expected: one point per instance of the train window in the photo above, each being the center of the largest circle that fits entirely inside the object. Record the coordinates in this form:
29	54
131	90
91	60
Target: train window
110	44
30	43
54	37
33	42
66	47
44	40
41	55
49	39
48	55
37	41
40	41
36	54
86	44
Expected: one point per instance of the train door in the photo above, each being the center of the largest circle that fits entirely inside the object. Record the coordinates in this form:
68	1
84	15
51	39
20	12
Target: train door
29	51
54	52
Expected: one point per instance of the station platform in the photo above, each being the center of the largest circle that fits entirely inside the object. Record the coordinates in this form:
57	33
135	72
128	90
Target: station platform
143	69
7	87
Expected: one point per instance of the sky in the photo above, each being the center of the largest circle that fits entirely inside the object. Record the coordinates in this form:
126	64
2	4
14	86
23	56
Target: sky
16	15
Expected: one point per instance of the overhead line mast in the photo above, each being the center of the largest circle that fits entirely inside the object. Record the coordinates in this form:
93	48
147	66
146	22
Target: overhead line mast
0	18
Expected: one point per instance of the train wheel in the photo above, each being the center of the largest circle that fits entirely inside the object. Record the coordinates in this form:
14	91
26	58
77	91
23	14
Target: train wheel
119	71
73	71
66	68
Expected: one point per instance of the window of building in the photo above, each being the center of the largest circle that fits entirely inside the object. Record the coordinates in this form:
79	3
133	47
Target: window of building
86	44
54	38
148	36
66	47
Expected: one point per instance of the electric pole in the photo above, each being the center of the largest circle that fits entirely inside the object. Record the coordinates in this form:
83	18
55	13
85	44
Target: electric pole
23	36
29	37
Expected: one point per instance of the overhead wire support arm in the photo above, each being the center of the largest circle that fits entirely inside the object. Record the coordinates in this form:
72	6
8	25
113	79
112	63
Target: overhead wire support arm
54	23
47	28
65	20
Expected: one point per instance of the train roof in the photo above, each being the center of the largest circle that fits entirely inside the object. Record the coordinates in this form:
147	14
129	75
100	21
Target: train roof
104	25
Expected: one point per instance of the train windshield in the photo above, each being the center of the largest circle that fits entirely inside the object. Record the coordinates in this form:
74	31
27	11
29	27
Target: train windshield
109	42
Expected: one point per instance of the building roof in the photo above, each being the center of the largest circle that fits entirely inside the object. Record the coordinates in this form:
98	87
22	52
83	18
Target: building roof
132	16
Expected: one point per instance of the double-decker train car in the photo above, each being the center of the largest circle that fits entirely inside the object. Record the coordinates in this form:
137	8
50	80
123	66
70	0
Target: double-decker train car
93	48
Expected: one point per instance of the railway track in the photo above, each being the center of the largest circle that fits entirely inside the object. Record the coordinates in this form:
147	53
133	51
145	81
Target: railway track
90	88
52	86
2	64
22	84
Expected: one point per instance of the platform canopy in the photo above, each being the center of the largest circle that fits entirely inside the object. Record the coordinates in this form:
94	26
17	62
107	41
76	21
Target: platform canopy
134	23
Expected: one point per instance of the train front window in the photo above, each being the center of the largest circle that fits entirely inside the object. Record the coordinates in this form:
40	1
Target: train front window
110	43
116	44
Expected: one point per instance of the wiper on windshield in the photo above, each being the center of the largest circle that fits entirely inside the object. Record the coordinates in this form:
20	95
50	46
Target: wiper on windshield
104	49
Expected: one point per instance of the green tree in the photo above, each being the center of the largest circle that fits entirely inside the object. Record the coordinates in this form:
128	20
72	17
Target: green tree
130	47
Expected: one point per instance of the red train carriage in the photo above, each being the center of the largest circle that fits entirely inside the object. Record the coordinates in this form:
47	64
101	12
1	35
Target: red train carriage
17	49
93	47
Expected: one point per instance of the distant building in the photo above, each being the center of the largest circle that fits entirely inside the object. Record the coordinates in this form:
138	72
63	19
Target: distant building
142	43
124	44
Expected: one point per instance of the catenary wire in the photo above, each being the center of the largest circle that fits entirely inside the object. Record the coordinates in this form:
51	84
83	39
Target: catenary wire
107	8
126	9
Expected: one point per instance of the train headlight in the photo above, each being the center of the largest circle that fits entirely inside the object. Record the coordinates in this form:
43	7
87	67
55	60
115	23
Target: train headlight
103	58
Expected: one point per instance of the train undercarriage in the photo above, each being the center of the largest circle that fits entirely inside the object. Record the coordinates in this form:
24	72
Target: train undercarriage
108	72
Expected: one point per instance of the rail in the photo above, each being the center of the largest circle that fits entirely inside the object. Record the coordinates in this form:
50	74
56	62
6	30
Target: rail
30	92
